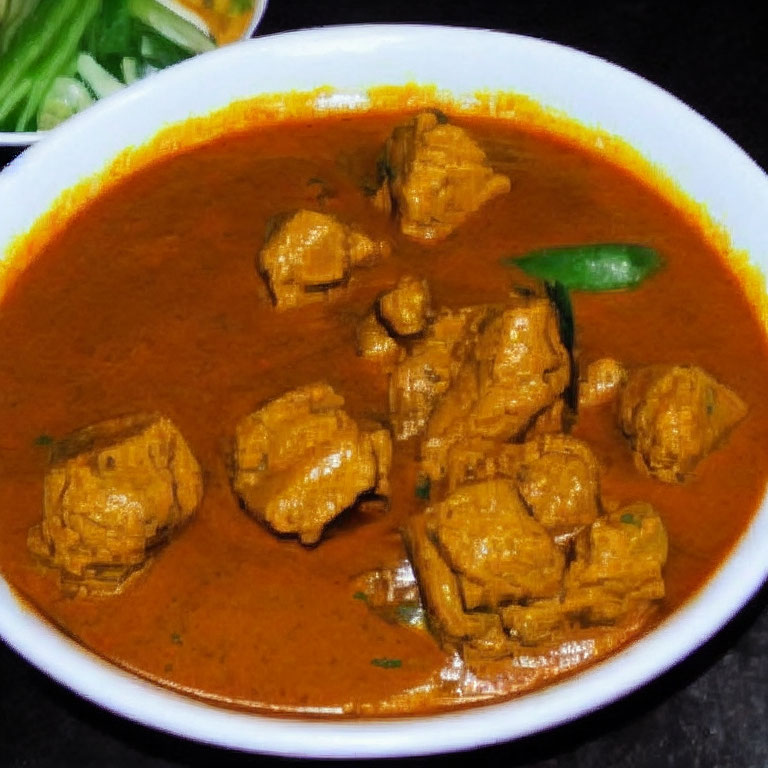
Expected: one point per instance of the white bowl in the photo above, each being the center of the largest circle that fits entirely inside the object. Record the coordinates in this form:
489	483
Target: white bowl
703	161
25	138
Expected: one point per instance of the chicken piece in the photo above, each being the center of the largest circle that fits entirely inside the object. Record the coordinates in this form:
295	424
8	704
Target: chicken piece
114	493
602	381
618	566
301	460
674	416
539	622
424	374
493	579
381	440
551	420
309	254
406	308
375	343
392	593
556	475
486	535
437	176
438	586
479	459
517	369
558	479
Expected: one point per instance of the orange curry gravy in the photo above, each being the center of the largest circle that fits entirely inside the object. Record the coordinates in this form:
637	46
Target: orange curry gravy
149	301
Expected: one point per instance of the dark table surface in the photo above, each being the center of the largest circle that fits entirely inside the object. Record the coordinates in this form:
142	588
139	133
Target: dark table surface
711	710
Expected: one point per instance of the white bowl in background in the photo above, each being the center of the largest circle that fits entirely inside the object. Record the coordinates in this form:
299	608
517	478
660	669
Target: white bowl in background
25	138
707	165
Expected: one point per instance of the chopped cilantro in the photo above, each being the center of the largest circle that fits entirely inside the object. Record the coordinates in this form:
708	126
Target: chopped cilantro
423	487
43	440
176	638
240	6
630	519
386	663
361	596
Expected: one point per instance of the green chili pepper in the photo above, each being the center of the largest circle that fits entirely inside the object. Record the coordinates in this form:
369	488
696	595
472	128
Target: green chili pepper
598	267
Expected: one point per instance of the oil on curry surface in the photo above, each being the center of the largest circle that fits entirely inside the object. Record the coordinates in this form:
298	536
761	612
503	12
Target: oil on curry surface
286	426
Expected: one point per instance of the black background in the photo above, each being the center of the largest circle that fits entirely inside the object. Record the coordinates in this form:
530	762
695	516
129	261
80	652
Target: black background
711	710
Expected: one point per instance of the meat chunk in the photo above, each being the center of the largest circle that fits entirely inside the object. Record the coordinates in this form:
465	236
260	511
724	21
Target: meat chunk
494	571
474	551
556	476
558	479
437	176
301	460
674	416
374	341
516	369
618	566
309	254
113	493
487	536
406	308
602	381
400	313
424	374
537	622
453	625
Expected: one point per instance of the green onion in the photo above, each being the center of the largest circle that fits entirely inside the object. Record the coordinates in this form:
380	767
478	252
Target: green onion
59	63
130	70
169	25
159	51
600	267
630	519
40	34
66	97
12	15
101	82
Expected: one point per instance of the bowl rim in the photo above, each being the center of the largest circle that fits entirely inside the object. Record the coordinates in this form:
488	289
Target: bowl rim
731	586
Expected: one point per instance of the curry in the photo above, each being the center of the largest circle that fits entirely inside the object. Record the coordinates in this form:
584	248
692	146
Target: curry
307	376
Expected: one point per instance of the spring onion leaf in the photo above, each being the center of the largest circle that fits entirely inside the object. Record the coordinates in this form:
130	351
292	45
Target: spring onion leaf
599	267
160	52
38	36
58	64
12	15
113	35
